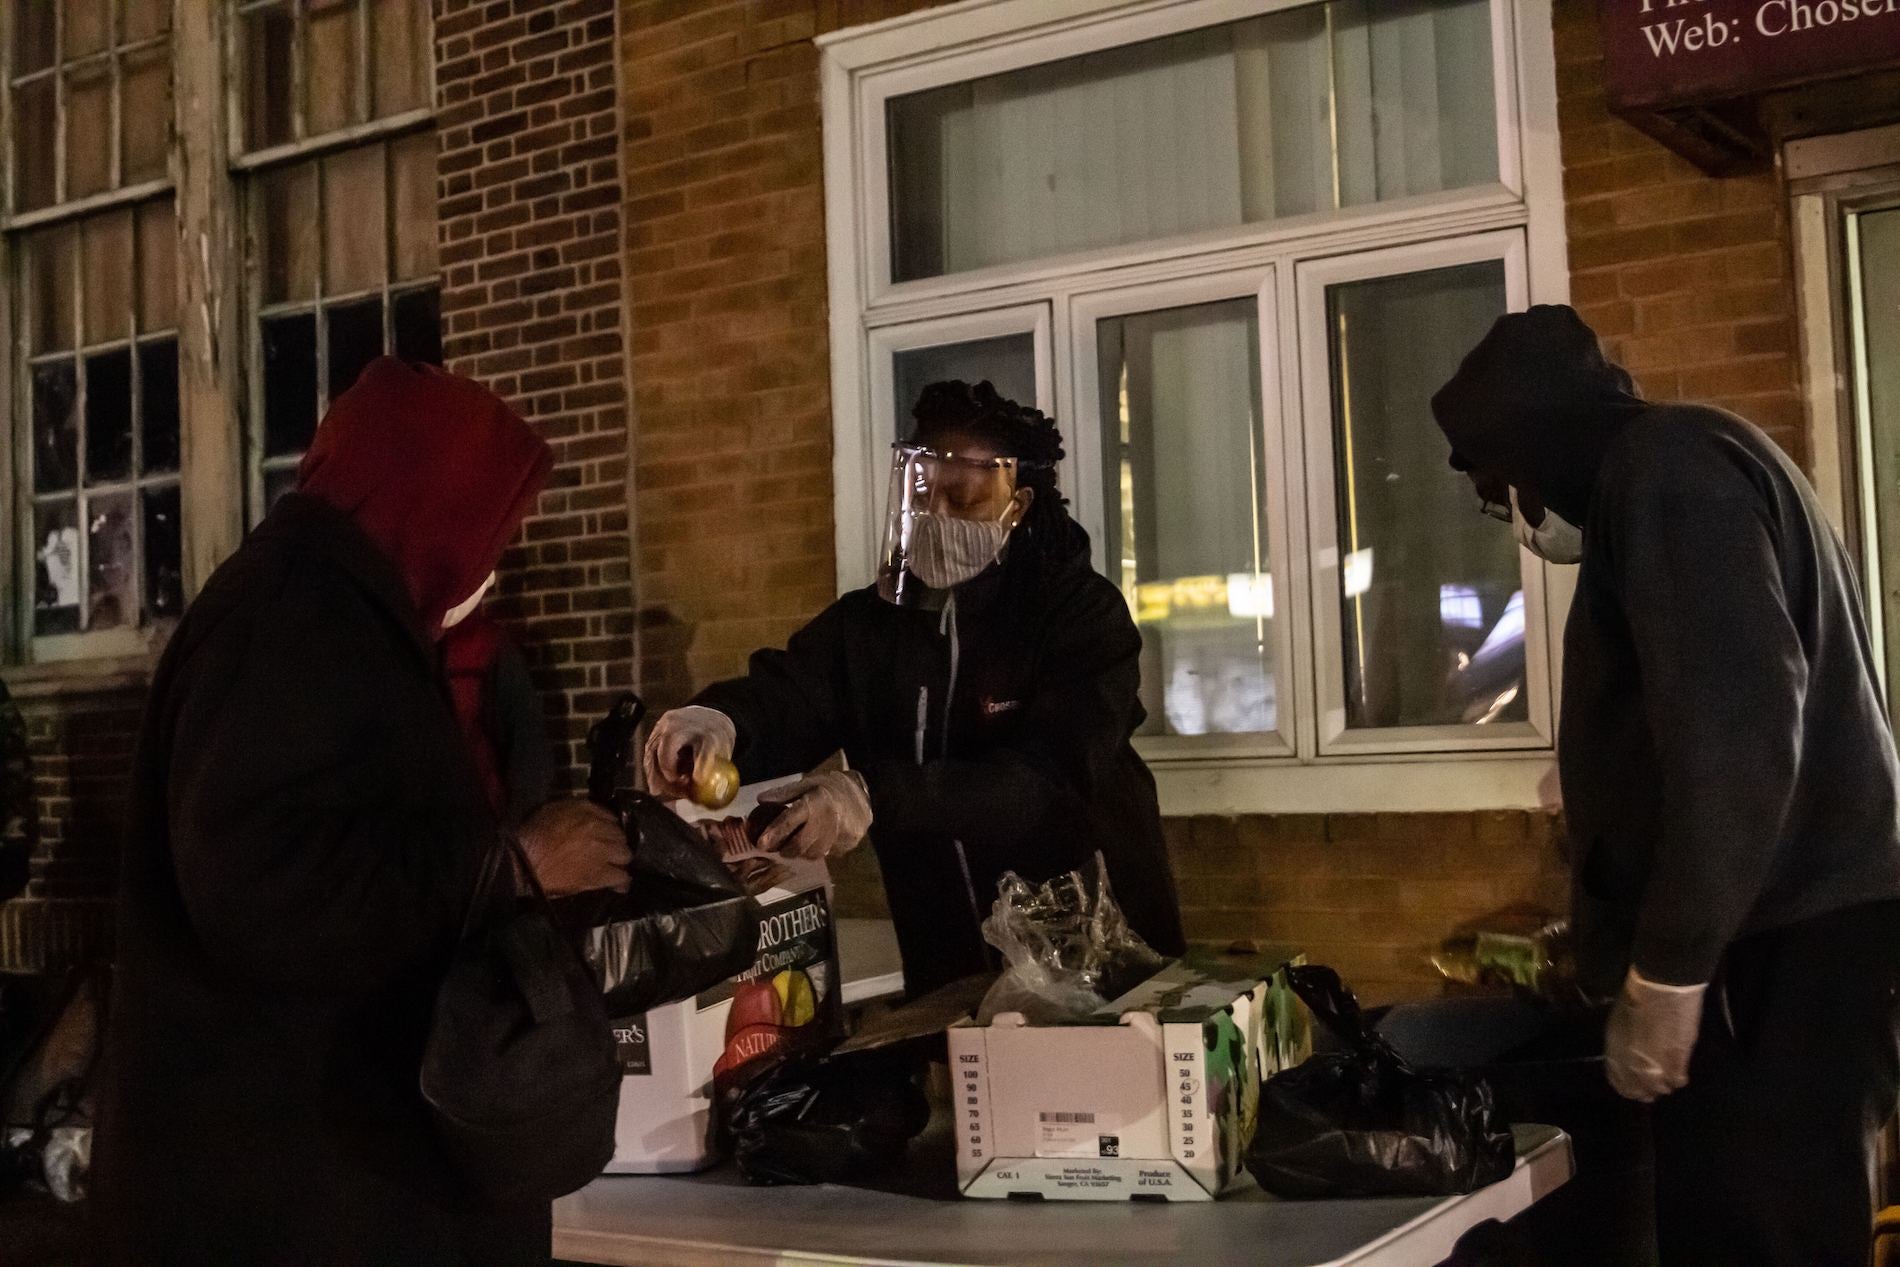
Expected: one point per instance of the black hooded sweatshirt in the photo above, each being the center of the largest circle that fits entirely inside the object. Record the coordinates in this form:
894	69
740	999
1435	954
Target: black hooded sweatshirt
1004	747
1726	757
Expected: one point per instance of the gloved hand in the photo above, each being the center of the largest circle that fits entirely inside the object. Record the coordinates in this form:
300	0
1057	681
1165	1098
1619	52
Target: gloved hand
826	815
1651	1035
705	732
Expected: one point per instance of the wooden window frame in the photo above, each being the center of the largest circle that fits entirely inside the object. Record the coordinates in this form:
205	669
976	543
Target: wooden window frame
207	171
259	464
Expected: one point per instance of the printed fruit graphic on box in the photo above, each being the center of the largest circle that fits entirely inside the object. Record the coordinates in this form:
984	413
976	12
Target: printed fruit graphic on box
789	999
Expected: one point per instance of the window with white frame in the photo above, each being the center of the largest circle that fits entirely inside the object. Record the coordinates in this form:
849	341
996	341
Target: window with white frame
1233	245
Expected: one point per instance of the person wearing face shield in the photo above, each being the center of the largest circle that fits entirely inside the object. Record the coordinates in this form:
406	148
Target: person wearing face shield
984	692
311	811
1729	781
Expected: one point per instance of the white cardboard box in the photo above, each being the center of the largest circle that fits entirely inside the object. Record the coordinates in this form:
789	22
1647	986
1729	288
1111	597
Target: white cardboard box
668	1054
1153	1098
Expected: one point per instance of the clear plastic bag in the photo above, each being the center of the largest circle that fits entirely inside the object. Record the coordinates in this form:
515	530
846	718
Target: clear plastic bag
1067	948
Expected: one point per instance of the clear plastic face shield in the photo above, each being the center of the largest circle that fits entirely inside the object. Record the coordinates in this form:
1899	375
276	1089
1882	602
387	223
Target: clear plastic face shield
950	515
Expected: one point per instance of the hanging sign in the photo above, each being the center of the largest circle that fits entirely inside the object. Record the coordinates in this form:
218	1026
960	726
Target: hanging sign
1663	53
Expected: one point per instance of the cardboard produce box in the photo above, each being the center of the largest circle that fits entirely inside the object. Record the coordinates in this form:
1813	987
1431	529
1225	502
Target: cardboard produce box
1152	1098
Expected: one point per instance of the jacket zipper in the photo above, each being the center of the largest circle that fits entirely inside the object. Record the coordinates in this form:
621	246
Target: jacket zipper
949	624
923	720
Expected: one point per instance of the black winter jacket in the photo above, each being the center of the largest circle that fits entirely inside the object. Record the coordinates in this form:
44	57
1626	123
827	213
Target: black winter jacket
308	824
1004	747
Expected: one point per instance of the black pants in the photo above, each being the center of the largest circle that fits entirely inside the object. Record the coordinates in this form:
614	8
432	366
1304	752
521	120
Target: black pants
1766	1157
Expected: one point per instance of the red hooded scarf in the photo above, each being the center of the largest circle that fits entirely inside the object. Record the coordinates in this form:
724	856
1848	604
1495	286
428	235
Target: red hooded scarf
438	473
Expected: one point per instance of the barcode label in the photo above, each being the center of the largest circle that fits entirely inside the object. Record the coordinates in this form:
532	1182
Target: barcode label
1064	1134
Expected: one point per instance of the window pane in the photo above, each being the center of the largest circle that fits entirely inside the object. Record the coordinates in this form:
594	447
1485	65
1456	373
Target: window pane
88	132
1008	362
164	539
144	20
55	427
112	563
400	45
158	405
56	568
356	339
106	256
1185	480
1416	113
290	383
330	70
146	114
270	47
1432	606
353	221
1207	129
49	273
109	416
32	36
276	484
418	325
33	144
287	229
158	267
412	165
86	29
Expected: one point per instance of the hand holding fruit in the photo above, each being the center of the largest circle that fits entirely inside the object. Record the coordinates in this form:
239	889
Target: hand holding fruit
689	755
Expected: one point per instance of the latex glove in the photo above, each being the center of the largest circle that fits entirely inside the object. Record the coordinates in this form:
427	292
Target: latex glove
707	733
575	846
826	815
1651	1035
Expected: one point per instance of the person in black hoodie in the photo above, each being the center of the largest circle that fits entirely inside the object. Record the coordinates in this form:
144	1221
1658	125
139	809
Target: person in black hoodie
1730	783
984	693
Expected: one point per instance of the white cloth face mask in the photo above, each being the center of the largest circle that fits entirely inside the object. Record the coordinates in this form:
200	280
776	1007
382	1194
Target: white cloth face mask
946	551
1556	540
462	610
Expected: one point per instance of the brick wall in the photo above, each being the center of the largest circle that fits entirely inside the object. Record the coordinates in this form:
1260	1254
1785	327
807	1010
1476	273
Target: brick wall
1370	894
532	257
726	282
81	748
1689	279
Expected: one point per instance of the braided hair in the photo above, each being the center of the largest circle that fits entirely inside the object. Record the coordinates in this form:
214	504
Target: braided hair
1015	431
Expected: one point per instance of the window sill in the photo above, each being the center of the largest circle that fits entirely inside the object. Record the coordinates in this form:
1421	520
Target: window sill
57	678
1437	784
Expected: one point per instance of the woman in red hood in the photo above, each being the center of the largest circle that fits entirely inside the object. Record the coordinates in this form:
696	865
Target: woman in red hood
309	814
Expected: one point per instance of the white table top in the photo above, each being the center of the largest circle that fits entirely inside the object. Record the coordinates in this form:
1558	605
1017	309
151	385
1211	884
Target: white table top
868	960
717	1218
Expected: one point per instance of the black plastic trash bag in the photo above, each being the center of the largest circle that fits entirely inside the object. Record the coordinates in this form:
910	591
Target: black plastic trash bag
1360	1122
837	1119
685	923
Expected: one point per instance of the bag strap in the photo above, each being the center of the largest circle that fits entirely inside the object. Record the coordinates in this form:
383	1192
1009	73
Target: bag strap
485	881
